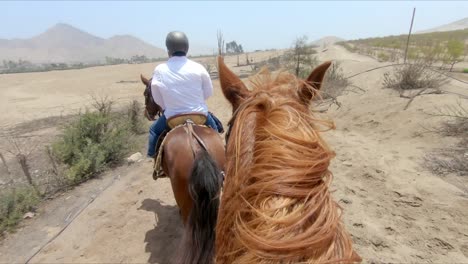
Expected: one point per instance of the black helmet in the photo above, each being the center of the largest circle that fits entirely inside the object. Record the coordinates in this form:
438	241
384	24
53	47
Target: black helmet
177	41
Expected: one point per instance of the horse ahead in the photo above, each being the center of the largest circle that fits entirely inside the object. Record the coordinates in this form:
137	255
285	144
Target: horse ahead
276	206
193	157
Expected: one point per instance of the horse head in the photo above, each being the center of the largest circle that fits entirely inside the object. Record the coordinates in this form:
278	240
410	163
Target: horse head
152	109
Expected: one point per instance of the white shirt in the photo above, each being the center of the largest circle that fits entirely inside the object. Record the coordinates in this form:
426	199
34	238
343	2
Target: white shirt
181	86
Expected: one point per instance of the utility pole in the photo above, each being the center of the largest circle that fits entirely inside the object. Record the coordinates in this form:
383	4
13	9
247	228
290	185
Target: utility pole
409	34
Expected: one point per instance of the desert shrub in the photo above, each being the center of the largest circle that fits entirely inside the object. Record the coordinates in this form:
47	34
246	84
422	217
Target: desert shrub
14	203
209	67
93	141
135	117
451	159
300	59
413	76
335	81
273	64
382	56
103	104
86	147
457	126
465	70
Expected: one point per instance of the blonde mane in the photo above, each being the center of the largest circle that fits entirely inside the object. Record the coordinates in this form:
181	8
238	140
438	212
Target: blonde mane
276	205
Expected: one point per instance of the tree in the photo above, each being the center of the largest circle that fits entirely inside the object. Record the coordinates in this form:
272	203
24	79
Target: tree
300	58
139	59
233	48
455	50
220	38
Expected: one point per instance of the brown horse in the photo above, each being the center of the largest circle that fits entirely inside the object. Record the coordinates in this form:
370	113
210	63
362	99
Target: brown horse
276	206
193	159
152	109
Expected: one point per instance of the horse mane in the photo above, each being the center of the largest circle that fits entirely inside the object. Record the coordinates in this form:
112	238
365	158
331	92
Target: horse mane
276	205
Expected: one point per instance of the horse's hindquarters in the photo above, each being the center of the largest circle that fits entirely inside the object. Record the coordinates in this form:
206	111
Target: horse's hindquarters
178	161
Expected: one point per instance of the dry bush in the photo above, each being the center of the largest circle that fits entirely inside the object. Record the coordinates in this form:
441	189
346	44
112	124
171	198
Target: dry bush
103	104
135	117
449	160
452	159
458	126
335	82
21	148
413	76
209	67
273	64
17	200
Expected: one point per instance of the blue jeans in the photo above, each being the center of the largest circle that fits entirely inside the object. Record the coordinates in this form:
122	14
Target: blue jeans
158	127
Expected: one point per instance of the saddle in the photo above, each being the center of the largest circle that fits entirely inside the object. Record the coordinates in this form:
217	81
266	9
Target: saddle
172	123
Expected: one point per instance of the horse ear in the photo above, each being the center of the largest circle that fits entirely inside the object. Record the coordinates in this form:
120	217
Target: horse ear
233	88
144	80
315	80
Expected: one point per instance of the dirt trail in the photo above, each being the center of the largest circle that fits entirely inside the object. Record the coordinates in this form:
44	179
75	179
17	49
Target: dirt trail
395	210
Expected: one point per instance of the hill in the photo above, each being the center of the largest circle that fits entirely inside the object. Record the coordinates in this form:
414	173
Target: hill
325	41
457	25
65	43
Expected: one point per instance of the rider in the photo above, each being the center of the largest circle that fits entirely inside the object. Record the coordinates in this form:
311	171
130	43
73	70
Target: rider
179	86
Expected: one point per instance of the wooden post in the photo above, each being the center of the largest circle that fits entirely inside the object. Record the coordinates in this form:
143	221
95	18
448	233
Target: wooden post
5	164
409	34
22	159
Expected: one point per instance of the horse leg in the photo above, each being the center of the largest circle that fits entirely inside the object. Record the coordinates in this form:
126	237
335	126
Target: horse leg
181	194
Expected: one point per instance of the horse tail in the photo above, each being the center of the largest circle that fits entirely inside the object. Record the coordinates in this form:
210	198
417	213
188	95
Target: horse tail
204	188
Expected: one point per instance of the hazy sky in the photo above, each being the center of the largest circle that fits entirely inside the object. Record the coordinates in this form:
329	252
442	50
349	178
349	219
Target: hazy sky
254	24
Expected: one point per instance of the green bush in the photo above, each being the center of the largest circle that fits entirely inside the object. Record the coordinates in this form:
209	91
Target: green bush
383	56
465	70
92	142
14	203
87	146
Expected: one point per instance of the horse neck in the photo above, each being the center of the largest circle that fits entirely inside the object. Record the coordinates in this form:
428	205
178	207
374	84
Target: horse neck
278	190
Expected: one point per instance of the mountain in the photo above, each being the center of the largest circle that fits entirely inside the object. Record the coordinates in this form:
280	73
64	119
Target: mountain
457	25
325	41
65	43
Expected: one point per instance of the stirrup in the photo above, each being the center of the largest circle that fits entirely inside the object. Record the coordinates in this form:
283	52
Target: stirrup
157	175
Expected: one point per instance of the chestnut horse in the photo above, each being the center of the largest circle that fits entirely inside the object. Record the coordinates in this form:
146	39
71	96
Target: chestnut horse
193	159
276	206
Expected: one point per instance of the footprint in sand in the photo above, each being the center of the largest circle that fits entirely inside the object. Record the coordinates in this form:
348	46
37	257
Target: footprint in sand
390	230
464	250
439	243
404	200
358	225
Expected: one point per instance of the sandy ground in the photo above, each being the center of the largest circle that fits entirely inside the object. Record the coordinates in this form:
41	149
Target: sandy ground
29	96
395	210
